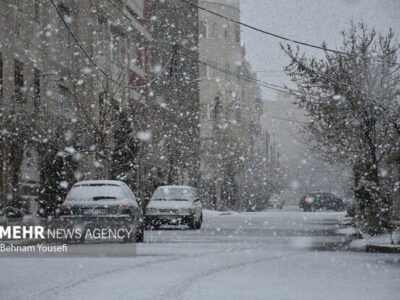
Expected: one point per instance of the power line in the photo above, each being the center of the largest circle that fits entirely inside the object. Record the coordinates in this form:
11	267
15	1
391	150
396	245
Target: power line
96	65
240	76
249	79
274	34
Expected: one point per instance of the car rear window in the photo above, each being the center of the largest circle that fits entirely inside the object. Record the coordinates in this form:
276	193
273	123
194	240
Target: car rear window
173	194
95	192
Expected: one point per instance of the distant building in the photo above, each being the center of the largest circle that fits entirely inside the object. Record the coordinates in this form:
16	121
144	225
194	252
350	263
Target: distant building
302	170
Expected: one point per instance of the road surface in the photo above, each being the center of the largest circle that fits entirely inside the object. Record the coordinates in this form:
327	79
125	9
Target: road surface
270	255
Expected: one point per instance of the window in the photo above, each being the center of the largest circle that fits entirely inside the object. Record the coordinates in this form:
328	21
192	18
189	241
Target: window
227	68
210	30
62	33
36	10
18	4
132	54
18	24
214	30
100	36
203	29
18	80
141	56
211	70
238	72
101	108
63	98
203	71
36	88
115	47
62	30
1	76
226	32
217	111
237	33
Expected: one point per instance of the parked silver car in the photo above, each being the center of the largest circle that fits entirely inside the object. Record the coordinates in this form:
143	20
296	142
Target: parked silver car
175	205
103	203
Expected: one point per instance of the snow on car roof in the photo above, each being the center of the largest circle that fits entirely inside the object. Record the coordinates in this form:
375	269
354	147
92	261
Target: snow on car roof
97	182
176	186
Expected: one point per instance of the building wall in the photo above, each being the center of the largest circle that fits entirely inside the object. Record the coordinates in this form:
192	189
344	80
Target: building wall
32	33
175	94
219	47
228	103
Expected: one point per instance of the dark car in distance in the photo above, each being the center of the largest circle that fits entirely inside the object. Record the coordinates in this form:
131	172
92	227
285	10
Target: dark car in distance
321	200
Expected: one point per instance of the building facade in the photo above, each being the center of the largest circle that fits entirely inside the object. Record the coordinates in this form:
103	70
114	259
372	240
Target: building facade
230	107
176	142
80	62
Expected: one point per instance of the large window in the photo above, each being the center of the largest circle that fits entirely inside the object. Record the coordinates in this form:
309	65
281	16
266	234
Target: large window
203	29
227	68
36	10
238	72
63	98
210	30
102	100
18	80
132	49
18	4
226	32
237	33
211	70
62	33
18	24
115	47
36	88
100	36
141	55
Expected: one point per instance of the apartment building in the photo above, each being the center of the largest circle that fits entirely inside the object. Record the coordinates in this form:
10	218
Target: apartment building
230	105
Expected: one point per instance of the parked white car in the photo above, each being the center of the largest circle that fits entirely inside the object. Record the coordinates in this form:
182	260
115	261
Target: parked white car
175	205
103	203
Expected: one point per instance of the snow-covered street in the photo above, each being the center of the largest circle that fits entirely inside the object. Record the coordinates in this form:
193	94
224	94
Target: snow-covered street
268	255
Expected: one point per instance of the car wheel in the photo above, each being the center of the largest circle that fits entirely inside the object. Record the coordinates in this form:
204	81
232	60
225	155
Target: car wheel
198	225
128	238
139	236
192	223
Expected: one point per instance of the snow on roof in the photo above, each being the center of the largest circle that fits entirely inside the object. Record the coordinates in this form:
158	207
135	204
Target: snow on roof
233	3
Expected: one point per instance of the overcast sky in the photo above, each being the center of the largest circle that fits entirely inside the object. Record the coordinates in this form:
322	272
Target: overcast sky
312	21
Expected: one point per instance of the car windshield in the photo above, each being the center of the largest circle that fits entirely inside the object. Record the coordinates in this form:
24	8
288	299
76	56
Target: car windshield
95	192
172	194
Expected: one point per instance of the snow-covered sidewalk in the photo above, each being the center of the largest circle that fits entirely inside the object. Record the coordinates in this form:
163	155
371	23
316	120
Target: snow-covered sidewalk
385	243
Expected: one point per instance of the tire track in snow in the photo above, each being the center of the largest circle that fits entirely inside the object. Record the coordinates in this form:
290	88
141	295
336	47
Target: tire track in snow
56	291
177	291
